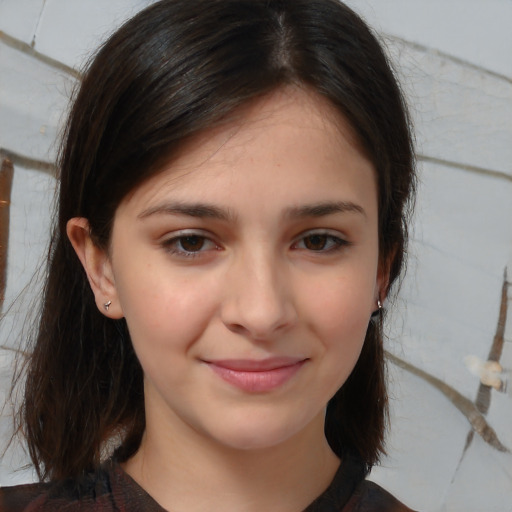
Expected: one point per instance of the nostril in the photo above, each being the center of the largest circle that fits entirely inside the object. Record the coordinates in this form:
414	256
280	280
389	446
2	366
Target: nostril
257	301
236	328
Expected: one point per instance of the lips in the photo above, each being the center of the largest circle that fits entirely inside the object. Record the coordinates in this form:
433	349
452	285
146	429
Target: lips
257	376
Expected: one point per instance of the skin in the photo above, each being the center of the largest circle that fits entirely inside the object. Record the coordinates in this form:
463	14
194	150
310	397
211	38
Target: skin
259	240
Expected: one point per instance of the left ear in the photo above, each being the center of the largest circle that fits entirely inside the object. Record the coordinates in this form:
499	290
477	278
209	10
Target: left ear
382	283
97	266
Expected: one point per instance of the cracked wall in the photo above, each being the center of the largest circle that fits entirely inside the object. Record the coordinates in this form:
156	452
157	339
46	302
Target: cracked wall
453	59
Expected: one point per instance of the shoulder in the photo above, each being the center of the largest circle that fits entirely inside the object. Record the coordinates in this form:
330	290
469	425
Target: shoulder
109	489
350	492
90	493
370	497
19	498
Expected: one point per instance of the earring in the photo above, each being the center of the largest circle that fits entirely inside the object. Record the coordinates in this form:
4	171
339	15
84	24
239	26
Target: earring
106	305
378	311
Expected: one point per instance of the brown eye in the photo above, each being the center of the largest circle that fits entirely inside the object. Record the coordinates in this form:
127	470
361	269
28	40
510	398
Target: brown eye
322	243
191	243
316	242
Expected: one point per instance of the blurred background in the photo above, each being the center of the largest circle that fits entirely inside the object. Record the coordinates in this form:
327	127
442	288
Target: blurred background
450	332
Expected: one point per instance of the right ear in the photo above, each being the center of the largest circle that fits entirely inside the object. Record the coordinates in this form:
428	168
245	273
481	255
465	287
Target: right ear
97	266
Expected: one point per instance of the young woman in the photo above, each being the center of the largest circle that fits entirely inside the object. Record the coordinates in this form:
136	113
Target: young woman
234	186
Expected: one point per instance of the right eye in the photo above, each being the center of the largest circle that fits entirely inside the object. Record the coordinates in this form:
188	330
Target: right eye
189	245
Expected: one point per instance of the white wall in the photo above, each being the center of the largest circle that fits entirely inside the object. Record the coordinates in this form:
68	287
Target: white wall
455	61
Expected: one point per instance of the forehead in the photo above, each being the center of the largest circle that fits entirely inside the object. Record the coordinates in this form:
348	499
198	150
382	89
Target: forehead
289	140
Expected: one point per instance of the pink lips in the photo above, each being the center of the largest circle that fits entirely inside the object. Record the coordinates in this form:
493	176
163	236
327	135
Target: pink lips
257	376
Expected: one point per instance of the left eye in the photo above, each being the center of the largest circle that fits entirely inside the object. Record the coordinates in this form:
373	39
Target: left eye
320	242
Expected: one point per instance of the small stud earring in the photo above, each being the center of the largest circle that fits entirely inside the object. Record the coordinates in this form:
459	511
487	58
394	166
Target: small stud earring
106	305
378	311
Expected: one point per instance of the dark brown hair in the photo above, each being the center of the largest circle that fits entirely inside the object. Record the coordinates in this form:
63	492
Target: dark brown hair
175	69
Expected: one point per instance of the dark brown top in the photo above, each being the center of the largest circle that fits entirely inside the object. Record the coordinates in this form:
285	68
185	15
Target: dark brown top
112	490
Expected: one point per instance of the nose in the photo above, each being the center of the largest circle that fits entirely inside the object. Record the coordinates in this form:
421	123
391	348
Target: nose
258	298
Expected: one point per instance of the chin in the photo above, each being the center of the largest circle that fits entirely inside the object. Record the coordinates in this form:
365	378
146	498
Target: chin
261	434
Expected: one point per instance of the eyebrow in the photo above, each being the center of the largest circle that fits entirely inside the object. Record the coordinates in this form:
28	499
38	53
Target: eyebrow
206	211
197	210
323	209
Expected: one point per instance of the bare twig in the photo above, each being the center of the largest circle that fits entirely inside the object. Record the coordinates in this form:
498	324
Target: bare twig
465	167
23	47
483	397
463	404
27	162
6	174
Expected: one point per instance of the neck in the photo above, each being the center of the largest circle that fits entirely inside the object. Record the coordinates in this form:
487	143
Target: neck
194	473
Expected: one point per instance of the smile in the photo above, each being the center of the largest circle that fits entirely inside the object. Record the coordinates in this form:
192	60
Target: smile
257	376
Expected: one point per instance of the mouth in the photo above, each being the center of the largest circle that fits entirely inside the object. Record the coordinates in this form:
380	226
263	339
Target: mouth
257	376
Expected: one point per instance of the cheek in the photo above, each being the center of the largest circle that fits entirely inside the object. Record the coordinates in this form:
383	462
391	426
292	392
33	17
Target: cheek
342	306
339	314
164	308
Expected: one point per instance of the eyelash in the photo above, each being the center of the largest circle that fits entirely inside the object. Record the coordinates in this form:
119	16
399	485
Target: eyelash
336	243
171	245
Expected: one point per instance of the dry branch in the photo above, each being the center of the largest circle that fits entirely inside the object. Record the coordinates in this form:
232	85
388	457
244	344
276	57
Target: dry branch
6	174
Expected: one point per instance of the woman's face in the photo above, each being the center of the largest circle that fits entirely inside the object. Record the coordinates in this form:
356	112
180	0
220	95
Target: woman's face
247	272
